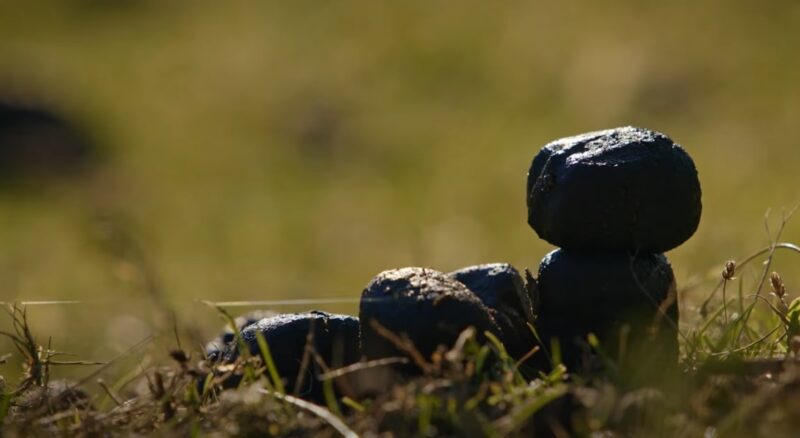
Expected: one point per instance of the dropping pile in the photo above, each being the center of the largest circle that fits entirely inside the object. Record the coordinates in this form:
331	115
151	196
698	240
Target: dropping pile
613	200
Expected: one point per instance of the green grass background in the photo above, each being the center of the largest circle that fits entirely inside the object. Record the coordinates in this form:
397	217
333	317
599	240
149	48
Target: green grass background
266	150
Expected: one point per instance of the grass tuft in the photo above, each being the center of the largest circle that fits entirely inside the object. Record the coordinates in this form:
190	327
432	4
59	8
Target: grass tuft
740	377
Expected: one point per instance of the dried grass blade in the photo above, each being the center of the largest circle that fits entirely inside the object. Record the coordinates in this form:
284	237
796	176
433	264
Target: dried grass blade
326	415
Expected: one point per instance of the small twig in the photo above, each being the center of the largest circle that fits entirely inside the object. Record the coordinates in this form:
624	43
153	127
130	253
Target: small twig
41	303
111	394
307	351
74	362
334	374
317	410
55	417
527	356
295	302
404	345
321	362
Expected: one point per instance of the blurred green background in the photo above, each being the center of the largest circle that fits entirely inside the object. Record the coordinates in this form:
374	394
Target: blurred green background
268	150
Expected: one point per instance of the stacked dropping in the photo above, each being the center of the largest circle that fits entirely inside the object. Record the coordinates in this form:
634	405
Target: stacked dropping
614	201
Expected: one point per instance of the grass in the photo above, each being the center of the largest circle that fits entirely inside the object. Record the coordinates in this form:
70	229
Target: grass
739	376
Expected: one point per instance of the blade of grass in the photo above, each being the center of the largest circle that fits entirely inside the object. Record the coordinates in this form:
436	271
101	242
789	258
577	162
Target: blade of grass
749	259
317	410
498	345
521	414
750	345
539	340
269	363
347	401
